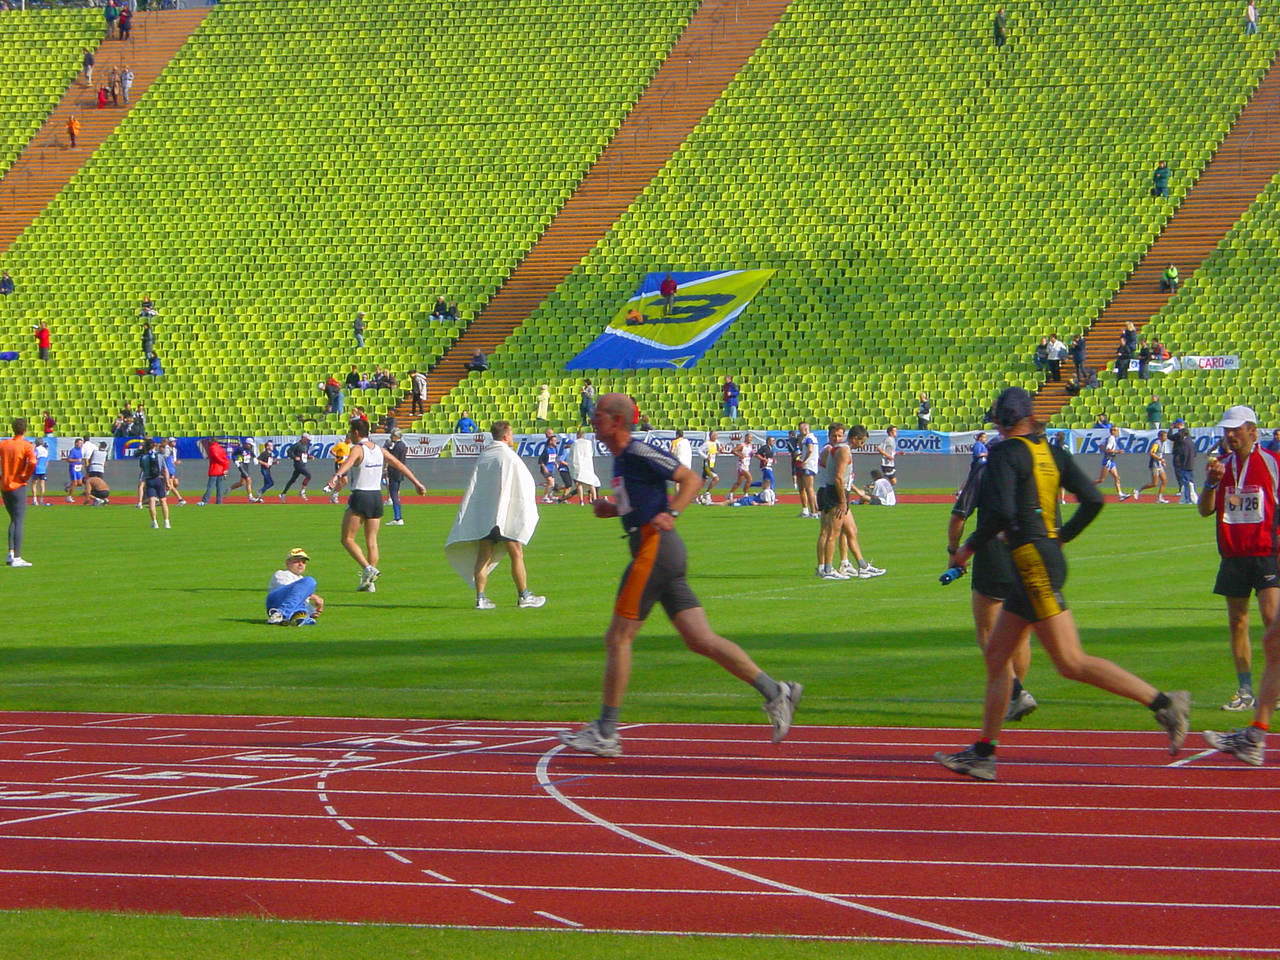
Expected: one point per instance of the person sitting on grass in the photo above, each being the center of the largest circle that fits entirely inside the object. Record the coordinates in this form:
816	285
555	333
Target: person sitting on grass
291	595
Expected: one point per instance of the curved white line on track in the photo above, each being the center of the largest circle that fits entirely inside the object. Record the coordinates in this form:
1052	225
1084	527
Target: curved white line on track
545	782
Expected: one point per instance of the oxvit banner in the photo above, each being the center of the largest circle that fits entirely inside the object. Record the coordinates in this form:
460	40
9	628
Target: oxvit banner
643	334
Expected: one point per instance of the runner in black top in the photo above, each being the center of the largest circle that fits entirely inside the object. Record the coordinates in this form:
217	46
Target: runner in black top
657	573
1019	500
991	579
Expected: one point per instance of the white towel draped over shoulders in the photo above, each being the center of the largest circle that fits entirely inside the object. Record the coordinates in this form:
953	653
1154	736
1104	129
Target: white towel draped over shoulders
499	494
582	466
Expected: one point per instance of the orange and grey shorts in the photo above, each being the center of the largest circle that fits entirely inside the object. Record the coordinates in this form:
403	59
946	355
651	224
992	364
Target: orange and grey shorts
656	574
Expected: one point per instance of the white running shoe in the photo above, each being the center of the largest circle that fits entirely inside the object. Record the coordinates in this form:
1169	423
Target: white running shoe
395	523
183	503
831	573
333	498
166	525
284	498
274	616
1161	500
484	603
1137	495
19	562
367	576
155	525
782	708
1124	497
302	496
528	599
139	506
848	569
590	740
868	571
804	514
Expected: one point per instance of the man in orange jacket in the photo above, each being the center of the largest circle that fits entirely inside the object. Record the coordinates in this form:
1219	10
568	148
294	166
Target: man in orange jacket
17	464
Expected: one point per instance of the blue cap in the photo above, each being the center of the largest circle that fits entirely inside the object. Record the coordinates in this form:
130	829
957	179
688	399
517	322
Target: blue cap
1012	405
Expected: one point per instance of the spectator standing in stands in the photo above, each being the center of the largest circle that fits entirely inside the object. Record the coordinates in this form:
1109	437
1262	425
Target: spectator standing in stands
1041	356
1122	361
1057	351
1250	19
1169	280
1144	360
126	80
542	403
148	340
6	281
1000	35
668	289
586	402
1130	337
333	395
86	64
1078	347
477	363
465	424
924	412
113	86
729	398
417	392
1155	413
357	329
43	339
1160	179
50	424
111	13
17	465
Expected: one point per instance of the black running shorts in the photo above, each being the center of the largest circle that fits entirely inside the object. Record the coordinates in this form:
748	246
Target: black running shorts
1039	571
365	503
1240	576
828	498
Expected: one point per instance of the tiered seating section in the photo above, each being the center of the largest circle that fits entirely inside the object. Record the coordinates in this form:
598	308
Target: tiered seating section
931	205
299	162
1227	308
40	53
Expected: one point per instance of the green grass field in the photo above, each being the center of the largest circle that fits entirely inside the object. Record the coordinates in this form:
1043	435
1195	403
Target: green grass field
115	616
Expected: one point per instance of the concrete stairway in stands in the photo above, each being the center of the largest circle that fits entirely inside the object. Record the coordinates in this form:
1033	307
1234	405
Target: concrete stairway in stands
1240	169
49	161
721	36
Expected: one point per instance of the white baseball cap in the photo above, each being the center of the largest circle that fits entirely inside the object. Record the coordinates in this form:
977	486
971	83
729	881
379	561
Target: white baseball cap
1237	417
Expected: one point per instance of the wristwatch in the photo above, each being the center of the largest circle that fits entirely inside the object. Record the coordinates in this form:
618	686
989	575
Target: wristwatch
674	513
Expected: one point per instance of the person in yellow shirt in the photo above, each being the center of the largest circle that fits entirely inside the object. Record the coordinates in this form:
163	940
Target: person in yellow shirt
340	451
17	464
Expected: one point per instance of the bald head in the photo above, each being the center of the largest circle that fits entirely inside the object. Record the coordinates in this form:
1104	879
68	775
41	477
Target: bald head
619	405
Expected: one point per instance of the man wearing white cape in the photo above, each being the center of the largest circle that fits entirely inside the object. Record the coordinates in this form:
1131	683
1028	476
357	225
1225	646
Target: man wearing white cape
499	506
582	469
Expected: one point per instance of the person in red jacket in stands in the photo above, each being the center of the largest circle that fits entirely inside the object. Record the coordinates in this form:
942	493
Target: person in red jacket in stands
219	463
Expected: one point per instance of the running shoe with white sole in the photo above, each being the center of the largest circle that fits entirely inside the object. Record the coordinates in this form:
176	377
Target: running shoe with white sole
274	616
484	603
1023	705
782	708
1175	718
1240	700
833	574
590	740
967	763
848	569
1240	744
869	570
529	599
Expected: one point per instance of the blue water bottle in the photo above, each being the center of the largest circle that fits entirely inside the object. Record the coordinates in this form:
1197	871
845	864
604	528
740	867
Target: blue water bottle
950	575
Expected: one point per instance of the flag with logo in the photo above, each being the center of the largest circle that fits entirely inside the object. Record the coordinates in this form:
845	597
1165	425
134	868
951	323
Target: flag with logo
644	335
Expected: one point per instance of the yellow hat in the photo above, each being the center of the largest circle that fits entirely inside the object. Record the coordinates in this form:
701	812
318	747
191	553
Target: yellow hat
297	553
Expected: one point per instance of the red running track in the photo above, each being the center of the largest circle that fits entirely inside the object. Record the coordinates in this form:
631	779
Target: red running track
1091	839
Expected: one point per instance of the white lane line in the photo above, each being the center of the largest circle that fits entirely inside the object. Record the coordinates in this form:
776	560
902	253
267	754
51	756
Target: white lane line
1198	756
103	773
41	753
273	723
491	896
544	763
555	919
344	825
12	733
304	775
168	736
330	811
322	797
439	876
366	840
121	719
395	856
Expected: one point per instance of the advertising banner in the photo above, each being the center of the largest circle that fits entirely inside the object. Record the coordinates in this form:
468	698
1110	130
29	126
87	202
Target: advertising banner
644	335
